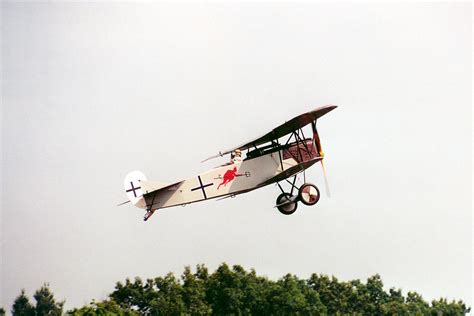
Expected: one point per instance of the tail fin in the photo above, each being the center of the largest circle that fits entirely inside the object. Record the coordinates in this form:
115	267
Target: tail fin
133	188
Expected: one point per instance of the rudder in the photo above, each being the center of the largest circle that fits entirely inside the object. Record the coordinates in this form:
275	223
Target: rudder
133	188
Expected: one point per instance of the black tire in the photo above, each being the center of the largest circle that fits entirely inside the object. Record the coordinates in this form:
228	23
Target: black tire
286	209
314	194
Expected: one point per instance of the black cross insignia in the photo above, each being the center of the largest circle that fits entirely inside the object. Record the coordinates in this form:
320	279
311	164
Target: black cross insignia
201	186
133	189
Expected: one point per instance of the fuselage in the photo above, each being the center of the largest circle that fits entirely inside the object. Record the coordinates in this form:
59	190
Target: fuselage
257	170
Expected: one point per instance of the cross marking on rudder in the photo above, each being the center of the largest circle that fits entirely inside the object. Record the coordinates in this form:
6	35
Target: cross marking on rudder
133	189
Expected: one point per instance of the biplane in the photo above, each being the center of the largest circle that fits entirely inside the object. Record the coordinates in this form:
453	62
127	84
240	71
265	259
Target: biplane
268	159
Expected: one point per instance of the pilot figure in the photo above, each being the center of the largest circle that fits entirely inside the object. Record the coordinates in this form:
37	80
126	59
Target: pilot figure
236	156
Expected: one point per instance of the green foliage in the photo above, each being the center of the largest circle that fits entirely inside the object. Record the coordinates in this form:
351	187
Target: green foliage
2	311
194	291
235	291
444	308
168	299
22	306
292	296
46	304
104	308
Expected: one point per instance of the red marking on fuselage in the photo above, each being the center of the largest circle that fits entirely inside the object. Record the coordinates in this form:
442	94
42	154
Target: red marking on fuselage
229	176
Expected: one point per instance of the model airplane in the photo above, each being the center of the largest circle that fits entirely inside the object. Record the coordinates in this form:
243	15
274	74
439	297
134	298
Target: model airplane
268	160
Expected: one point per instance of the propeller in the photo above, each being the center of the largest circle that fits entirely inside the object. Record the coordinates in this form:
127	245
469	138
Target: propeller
317	143
325	179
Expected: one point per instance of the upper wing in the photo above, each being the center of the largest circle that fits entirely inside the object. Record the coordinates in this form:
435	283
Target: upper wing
282	130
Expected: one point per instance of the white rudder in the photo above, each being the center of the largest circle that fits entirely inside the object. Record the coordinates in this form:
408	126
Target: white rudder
133	188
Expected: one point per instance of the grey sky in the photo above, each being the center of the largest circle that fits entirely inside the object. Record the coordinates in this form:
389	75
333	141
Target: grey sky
92	91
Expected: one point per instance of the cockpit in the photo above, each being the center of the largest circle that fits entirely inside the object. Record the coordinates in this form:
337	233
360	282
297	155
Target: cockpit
301	151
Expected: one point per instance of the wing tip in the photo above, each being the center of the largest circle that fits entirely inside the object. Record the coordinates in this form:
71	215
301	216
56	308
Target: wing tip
320	111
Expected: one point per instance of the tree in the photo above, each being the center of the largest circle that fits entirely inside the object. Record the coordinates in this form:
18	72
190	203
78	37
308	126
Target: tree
224	291
194	293
169	298
257	291
2	311
416	304
289	298
443	307
45	302
131	295
395	304
22	306
235	291
328	292
376	295
107	307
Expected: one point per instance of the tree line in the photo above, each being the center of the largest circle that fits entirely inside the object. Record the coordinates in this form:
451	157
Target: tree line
235	291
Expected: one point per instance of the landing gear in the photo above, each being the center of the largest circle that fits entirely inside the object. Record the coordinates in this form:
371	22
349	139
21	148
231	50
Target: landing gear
286	204
308	194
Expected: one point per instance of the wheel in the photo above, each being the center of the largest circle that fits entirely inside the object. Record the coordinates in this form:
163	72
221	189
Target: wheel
286	209
308	194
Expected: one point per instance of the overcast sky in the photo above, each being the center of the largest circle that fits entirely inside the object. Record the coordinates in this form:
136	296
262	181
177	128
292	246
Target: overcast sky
93	91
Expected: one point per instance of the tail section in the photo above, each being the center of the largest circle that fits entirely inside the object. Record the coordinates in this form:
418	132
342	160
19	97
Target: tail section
133	188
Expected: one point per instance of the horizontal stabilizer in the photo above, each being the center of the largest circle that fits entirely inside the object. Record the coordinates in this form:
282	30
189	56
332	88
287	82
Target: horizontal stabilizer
155	187
150	186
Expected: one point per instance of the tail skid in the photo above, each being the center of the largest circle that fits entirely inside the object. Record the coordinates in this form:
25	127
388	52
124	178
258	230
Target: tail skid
148	214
